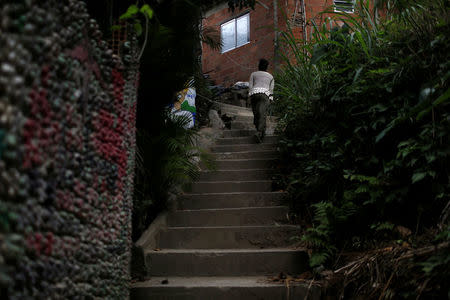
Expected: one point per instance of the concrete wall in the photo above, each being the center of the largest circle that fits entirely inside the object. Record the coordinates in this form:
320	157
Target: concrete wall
237	64
67	140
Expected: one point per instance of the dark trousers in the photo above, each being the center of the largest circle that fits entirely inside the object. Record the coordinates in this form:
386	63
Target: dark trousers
260	102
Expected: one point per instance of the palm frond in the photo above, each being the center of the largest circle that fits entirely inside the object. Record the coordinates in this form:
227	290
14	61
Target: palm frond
211	37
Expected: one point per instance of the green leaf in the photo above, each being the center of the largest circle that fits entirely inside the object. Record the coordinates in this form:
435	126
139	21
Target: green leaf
131	12
418	176
361	40
384	132
378	108
382	226
444	97
430	157
357	73
318	259
138	28
380	71
362	189
319	53
404	143
115	27
147	10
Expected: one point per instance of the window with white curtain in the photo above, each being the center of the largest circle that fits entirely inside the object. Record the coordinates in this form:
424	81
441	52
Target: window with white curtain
235	33
344	5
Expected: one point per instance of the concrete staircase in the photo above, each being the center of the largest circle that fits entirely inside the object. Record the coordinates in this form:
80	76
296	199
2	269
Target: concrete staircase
230	231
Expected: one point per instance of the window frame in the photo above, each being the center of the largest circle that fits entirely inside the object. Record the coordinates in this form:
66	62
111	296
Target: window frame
235	19
336	9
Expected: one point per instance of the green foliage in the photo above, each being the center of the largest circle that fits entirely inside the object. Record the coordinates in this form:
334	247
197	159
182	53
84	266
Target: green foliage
365	122
382	226
134	10
439	261
147	11
173	163
130	13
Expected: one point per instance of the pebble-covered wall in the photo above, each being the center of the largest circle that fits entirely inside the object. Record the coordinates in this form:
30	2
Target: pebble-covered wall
67	140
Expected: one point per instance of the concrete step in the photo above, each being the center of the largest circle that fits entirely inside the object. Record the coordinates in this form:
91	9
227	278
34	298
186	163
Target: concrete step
238	133
246	140
249	125
229	216
226	106
231	186
233	113
244	147
219	262
240	164
234	109
249	118
226	200
221	288
227	237
235	175
246	154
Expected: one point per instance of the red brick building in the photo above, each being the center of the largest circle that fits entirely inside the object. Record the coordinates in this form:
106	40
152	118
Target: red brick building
248	35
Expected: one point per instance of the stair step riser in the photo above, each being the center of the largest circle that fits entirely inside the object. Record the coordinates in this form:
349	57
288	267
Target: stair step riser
231	187
233	217
226	264
233	113
245	140
243	148
238	133
229	200
234	108
249	119
235	175
226	106
249	125
221	105
227	237
244	164
275	292
246	155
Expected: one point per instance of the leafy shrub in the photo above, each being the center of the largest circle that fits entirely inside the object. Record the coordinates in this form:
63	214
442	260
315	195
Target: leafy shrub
174	157
365	115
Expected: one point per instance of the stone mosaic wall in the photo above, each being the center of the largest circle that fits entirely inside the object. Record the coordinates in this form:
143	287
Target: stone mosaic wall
67	140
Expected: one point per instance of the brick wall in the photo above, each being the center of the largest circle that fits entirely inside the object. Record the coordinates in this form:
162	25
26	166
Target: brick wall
237	65
67	140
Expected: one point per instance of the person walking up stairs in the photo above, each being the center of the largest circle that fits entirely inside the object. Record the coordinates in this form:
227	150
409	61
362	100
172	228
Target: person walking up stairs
261	84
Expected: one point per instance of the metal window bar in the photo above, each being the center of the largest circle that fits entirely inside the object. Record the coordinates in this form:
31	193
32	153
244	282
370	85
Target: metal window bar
344	6
247	16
